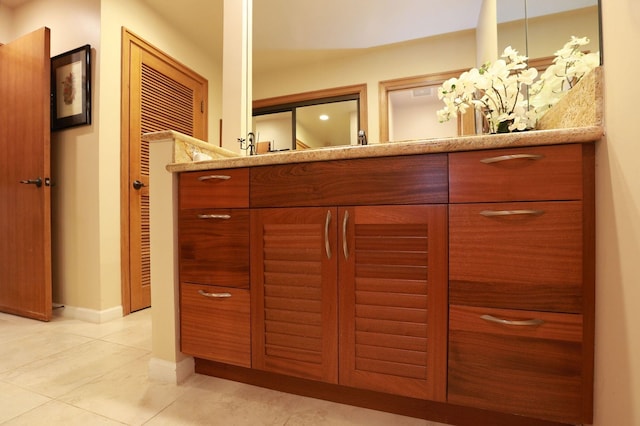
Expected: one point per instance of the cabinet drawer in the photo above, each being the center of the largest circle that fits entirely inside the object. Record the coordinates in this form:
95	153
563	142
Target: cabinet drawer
214	188
533	370
416	179
215	323
517	255
214	247
517	174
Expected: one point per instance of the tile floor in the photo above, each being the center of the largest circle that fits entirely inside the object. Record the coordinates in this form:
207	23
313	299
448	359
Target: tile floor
69	372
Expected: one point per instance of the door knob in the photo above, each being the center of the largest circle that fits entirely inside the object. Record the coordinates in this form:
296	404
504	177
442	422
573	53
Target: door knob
37	182
137	184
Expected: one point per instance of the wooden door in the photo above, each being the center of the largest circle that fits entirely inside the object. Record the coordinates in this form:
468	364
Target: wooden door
393	299
158	94
293	292
25	193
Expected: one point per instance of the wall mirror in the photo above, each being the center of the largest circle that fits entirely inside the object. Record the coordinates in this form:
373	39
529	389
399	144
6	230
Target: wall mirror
300	46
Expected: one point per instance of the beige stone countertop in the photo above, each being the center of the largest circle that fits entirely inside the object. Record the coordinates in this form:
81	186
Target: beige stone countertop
387	149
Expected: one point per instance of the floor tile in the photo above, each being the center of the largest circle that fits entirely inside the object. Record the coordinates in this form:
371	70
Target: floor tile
28	347
16	401
64	371
58	413
213	401
125	394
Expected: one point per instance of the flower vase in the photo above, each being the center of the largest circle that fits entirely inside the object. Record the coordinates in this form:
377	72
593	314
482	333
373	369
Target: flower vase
503	126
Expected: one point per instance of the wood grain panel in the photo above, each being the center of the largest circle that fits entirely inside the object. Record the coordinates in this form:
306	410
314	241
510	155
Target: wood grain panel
214	251
294	292
373	181
537	369
216	192
522	261
555	175
217	329
392	297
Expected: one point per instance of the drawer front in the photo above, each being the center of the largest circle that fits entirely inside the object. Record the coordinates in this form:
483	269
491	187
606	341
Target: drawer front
416	179
215	323
214	247
214	189
517	255
534	367
517	174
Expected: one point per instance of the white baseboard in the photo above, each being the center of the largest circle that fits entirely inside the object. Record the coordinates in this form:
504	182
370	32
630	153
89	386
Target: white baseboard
171	372
89	315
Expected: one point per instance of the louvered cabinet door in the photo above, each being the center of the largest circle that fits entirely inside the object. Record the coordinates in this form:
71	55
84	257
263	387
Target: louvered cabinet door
294	293
393	299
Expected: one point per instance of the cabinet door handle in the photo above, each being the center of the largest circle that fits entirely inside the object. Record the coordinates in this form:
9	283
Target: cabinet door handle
213	177
529	322
214	295
345	246
327	245
501	158
493	213
214	216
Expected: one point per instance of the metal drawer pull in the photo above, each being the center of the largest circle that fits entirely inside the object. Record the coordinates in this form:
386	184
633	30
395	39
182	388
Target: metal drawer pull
214	216
345	247
529	322
492	213
511	157
327	245
214	295
210	177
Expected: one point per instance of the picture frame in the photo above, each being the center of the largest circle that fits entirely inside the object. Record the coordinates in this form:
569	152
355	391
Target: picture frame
71	88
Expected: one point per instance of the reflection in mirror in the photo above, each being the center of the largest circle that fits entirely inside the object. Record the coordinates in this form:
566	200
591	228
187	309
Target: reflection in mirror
539	28
324	125
301	46
408	109
274	131
343	109
319	125
412	115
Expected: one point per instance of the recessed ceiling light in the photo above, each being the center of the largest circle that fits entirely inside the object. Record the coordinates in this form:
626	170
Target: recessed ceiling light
324	117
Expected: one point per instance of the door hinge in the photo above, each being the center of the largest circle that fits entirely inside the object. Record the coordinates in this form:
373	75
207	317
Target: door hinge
201	106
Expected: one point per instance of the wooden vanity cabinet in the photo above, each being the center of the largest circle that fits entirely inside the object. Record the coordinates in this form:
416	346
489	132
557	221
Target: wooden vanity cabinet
521	281
445	286
346	292
213	237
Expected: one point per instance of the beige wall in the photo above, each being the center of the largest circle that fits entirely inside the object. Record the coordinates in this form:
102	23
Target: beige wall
617	390
86	159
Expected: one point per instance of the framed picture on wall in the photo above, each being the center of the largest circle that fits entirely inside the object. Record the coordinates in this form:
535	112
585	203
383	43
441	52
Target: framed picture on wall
71	88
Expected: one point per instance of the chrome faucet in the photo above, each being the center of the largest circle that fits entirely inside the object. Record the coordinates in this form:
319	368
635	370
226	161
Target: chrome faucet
362	137
250	144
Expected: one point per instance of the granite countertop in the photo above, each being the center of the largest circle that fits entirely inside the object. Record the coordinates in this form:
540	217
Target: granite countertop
224	159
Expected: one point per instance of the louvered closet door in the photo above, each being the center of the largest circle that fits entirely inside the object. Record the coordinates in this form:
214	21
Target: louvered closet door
164	95
294	293
393	299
